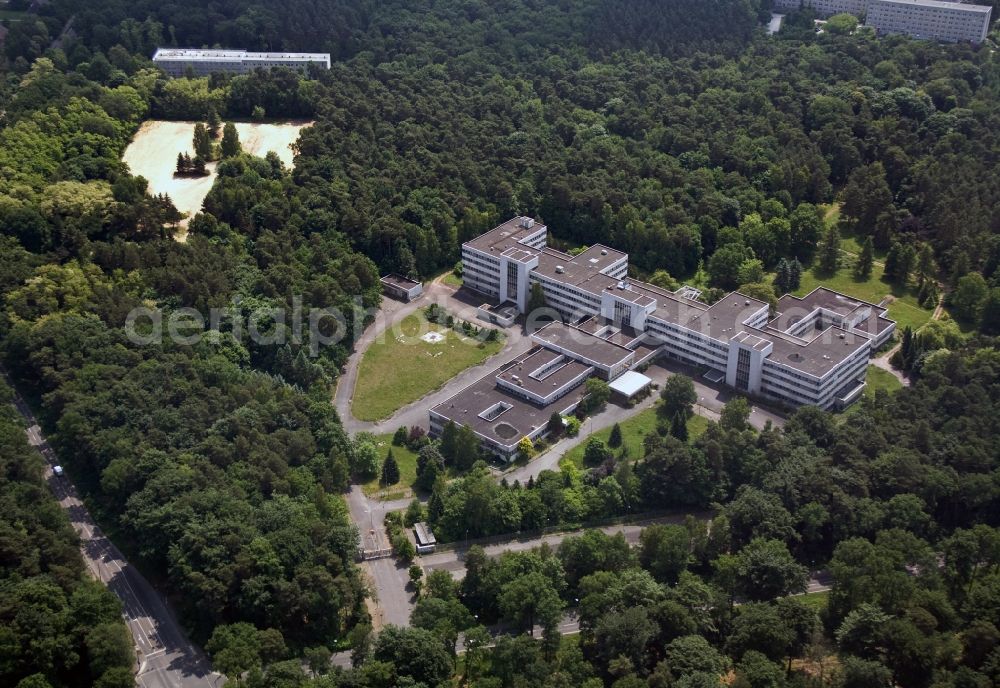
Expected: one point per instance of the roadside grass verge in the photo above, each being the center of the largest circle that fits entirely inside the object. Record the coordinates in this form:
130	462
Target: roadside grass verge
406	459
634	431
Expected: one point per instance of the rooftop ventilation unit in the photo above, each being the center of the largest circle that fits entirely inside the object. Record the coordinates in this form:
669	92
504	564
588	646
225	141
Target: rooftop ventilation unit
604	251
560	269
527	222
622	285
747	302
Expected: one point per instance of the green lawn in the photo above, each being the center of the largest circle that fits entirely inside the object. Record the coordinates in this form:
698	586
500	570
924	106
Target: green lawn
816	601
406	459
634	431
904	309
877	378
399	367
452	280
850	244
831	212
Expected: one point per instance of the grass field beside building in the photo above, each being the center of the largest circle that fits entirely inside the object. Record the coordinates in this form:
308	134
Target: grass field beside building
407	461
904	309
400	367
634	431
877	378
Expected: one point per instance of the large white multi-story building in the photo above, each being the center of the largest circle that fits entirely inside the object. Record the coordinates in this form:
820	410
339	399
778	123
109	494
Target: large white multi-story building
952	22
183	61
824	8
813	350
941	20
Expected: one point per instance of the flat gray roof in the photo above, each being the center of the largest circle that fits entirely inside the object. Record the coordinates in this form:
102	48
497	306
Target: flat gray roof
816	357
399	281
939	4
528	373
583	344
724	319
521	418
721	321
209	55
505	236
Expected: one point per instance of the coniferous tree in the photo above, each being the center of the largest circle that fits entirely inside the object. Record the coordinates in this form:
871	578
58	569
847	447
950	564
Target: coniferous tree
230	146
783	276
466	448
536	299
198	165
863	269
399	437
989	320
892	260
449	442
435	505
390	470
926	266
555	424
678	427
829	251
795	275
906	348
214	123
904	265
182	167
615	439
960	267
202	143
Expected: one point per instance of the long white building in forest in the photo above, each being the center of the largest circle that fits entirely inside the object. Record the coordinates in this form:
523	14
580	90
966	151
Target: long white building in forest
951	21
813	350
178	62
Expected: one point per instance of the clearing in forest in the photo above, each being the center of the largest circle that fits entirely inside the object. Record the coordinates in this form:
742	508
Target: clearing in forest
153	155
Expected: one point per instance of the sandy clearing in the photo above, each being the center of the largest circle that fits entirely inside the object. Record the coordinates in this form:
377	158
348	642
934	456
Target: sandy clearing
153	155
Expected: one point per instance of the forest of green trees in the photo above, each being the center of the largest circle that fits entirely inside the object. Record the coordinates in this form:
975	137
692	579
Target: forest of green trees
58	627
675	131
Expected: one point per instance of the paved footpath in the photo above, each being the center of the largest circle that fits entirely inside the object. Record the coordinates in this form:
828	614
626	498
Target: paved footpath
166	658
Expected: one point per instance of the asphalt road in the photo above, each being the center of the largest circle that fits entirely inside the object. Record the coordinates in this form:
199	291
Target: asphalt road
166	658
453	560
389	579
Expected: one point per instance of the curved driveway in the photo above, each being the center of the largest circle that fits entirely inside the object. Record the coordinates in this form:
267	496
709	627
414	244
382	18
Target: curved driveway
461	304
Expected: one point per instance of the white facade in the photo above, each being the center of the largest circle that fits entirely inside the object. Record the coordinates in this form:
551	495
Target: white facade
815	350
951	22
824	8
941	20
178	62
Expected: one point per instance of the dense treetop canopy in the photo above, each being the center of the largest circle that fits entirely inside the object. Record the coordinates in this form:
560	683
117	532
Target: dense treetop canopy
675	131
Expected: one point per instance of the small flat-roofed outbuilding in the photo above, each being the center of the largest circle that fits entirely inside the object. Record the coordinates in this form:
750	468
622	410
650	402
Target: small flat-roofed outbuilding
400	287
426	542
503	314
629	384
